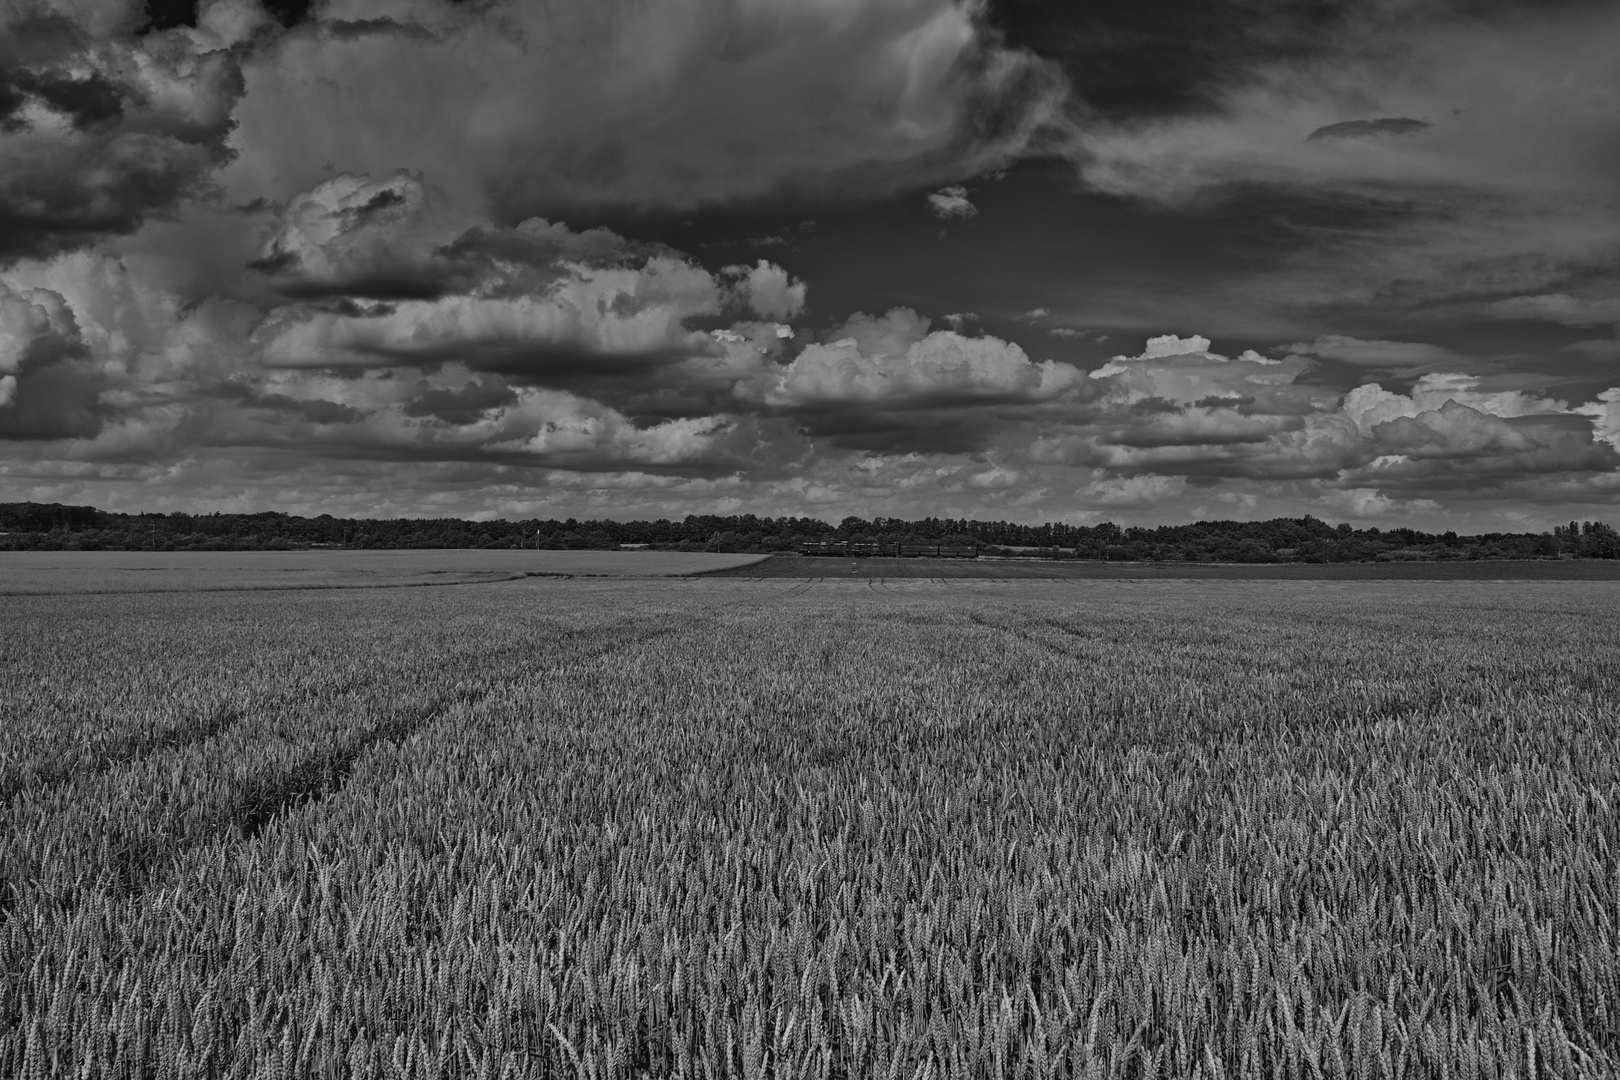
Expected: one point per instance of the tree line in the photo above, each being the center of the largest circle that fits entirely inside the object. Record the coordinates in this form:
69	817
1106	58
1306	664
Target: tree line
32	526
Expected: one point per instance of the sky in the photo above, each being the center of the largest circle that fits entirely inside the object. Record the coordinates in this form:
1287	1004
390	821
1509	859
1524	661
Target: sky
1142	261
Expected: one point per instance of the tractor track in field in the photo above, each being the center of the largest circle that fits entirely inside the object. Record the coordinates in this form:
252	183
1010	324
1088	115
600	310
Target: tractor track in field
137	863
1025	635
321	778
122	753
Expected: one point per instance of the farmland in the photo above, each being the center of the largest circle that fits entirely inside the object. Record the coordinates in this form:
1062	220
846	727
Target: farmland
882	568
44	573
772	827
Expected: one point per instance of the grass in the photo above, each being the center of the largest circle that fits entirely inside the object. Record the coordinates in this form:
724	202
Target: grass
761	828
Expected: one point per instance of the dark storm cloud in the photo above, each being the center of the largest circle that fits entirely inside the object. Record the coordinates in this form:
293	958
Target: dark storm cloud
1357	129
896	433
289	13
98	135
381	285
56	400
679	105
168	14
87	102
466	404
1143	58
314	410
396	239
49	385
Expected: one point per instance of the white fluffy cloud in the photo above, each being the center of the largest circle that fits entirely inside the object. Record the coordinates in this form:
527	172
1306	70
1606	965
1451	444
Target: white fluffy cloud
1370	404
1179	408
769	291
895	361
1184	372
951	202
395	281
611	312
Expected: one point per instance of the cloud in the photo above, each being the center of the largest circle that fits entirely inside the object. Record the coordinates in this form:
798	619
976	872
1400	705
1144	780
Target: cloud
1184	372
1605	416
550	354
768	290
890	384
1132	492
1369	405
541	107
994	478
1360	129
1559	308
1522	134
1180	409
1365	503
895	360
951	202
101	131
1410	356
468	403
1509	191
46	391
539	304
349	236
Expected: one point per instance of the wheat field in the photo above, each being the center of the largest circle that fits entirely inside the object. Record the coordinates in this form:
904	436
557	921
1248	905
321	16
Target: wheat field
732	828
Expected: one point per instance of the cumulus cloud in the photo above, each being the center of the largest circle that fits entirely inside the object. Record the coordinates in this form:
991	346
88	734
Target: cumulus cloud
895	360
1370	404
538	304
46	391
350	236
541	106
634	316
1605	416
1179	408
539	346
768	290
891	384
99	130
951	202
1182	372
